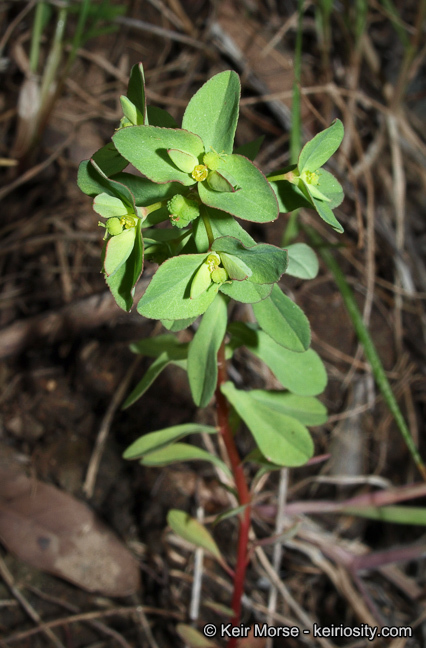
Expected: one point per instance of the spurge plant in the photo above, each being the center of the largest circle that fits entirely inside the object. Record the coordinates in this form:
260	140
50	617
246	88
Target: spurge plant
183	213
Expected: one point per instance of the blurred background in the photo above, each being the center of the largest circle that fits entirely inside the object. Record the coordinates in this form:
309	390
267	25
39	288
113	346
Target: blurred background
65	366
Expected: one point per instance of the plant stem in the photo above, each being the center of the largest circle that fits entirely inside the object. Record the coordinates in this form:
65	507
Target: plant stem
290	176
36	36
154	207
242	489
210	236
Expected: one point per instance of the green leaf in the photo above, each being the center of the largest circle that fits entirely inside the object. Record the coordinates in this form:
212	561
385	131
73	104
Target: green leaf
182	452
109	160
212	113
281	438
136	92
218	182
235	268
246	292
107	206
193	638
118	250
330	187
117	189
219	608
302	261
394	514
289	196
192	531
169	356
201	281
122	282
266	262
314	192
152	374
130	111
90	181
153	347
306	409
154	441
168	294
316	152
251	149
283	321
326	214
145	191
254	201
146	148
301	373
179	324
184	161
202	354
222	224
160	117
230	513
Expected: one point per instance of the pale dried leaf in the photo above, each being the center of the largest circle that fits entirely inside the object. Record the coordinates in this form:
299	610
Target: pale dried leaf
56	533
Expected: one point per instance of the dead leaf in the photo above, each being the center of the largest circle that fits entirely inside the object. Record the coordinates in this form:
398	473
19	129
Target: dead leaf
56	533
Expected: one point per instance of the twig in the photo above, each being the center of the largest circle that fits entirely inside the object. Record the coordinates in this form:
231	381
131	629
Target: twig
146	627
194	610
278	547
95	459
85	314
302	616
7	34
35	170
32	613
141	25
399	186
98	614
73	608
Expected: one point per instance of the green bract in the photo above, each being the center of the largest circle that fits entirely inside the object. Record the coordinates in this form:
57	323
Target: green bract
190	172
306	184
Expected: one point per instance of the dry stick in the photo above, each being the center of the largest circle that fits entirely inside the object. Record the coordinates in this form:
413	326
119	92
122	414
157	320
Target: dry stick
32	613
185	19
73	608
399	193
66	281
167	13
95	459
303	617
72	319
278	547
194	609
146	627
98	614
399	187
7	34
338	575
242	489
35	170
141	25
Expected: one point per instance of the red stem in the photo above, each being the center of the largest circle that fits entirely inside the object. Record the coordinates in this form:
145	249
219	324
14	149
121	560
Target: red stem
242	489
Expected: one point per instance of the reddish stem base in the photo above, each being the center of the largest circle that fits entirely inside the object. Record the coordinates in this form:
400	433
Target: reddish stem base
242	489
